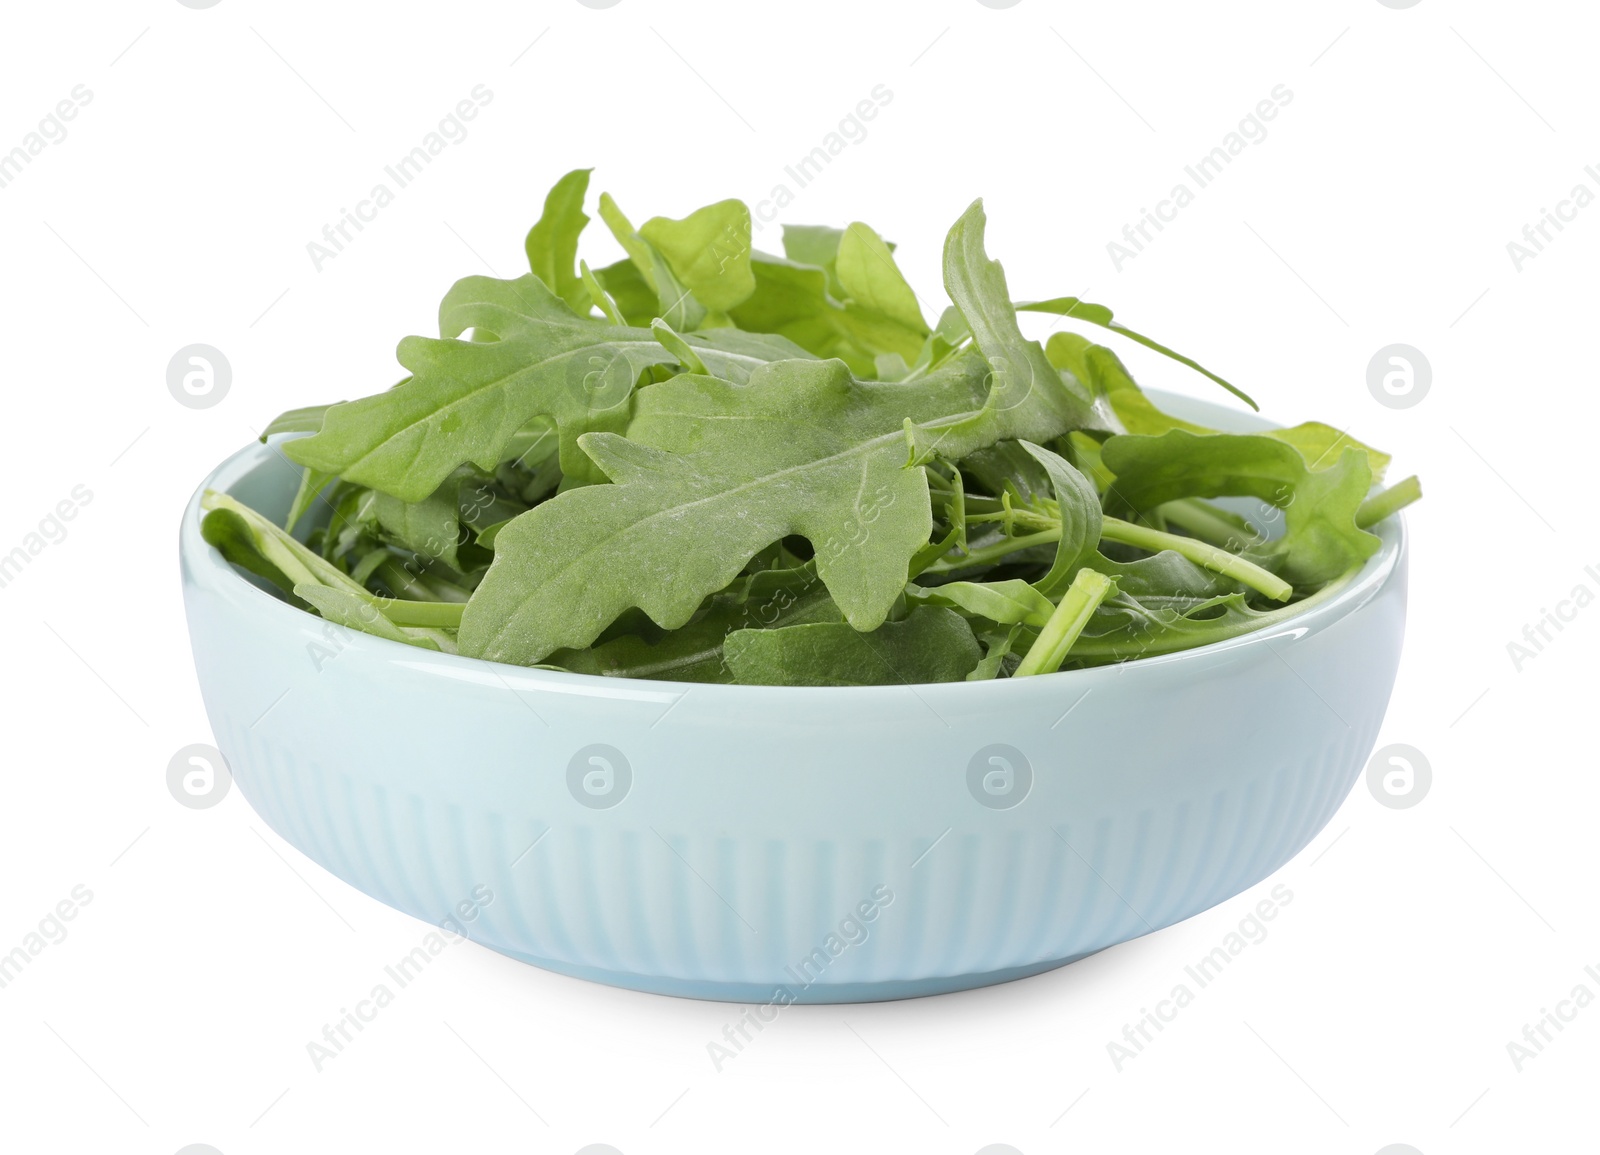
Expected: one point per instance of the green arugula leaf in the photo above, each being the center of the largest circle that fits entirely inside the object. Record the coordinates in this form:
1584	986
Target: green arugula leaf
430	527
628	288
816	245
930	645
1077	510
794	299
694	653
1000	647
305	420
1105	374
709	251
1320	444
231	535
1321	539
1030	399
552	243
1005	603
312	483
870	278
465	401
711	472
676	303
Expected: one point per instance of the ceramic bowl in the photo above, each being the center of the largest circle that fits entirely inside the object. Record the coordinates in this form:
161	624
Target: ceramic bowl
777	844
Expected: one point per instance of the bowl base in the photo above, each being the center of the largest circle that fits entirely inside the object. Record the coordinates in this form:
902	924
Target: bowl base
815	993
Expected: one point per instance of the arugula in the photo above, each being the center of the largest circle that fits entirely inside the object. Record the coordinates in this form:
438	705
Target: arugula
705	463
552	243
710	472
929	645
466	400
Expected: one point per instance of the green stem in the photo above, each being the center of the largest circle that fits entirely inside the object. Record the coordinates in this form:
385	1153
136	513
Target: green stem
437	615
1392	500
1071	614
993	553
1220	560
1208	523
1017	516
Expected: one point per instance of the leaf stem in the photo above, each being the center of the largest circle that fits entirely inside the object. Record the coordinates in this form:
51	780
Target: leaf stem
1071	614
1220	560
1208	523
1385	502
438	615
993	553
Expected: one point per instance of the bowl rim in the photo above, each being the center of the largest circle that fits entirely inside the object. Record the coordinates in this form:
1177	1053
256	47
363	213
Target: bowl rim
208	569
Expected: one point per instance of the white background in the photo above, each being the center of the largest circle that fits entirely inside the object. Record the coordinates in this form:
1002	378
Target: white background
1377	210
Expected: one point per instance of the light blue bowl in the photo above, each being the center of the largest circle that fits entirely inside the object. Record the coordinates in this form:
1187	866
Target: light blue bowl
768	844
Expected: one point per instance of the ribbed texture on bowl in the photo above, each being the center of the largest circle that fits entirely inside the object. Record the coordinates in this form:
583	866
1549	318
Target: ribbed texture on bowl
683	910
